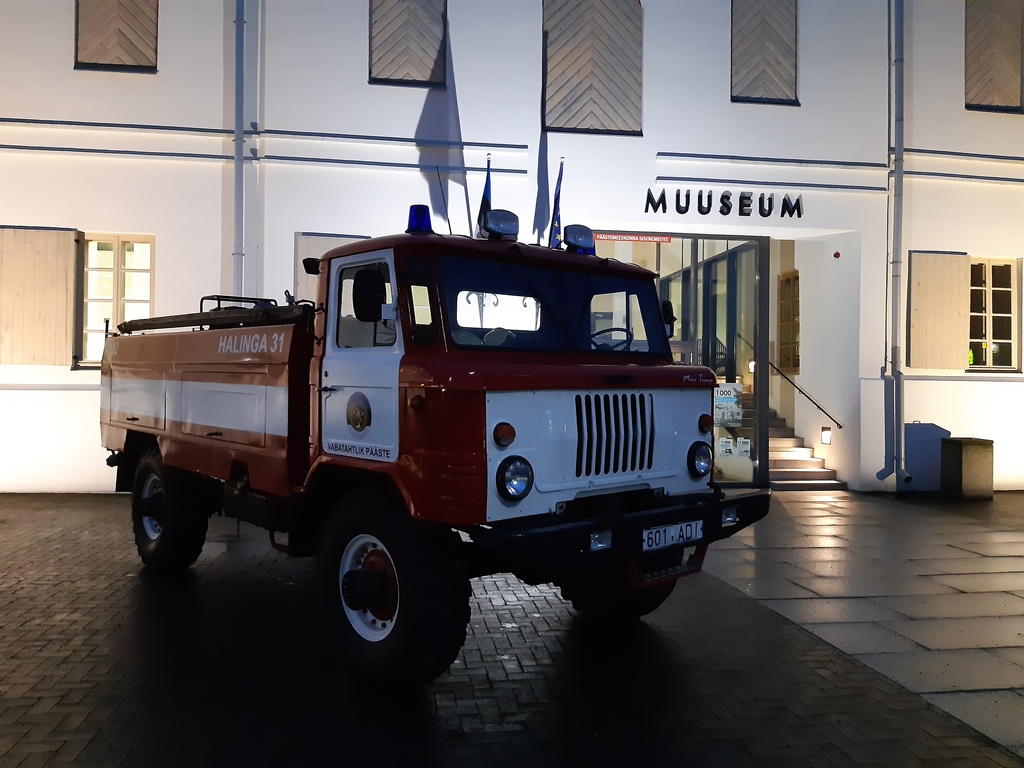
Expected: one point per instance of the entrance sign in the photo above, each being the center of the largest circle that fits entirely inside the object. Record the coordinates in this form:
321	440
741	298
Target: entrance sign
632	237
725	203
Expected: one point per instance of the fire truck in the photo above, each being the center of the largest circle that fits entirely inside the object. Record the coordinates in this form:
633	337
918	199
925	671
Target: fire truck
448	407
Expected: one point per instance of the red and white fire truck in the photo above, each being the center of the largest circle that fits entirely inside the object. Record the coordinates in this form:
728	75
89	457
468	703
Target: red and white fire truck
448	407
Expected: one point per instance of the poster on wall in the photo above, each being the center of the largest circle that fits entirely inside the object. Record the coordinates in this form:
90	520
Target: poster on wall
743	446
726	446
728	408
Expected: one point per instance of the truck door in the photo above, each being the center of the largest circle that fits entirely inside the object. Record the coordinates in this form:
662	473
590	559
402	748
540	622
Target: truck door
359	376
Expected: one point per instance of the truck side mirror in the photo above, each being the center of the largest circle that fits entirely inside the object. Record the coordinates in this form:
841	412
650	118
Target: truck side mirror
368	295
668	316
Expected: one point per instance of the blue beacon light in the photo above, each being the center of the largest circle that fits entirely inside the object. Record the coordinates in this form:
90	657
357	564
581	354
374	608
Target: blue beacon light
419	219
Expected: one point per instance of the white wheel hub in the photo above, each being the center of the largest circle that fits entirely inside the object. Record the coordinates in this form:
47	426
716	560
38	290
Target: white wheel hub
371	573
152	490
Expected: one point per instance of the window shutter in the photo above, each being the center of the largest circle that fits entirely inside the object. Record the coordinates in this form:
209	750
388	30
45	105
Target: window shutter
38	301
593	66
313	246
764	50
407	41
938	310
992	53
116	33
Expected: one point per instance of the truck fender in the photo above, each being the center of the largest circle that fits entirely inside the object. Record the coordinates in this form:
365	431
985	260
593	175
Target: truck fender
135	445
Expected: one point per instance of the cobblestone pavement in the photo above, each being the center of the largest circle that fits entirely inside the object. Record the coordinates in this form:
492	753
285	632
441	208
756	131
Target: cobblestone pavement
102	665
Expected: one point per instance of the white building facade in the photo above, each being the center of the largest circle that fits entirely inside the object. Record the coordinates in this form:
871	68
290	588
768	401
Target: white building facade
828	190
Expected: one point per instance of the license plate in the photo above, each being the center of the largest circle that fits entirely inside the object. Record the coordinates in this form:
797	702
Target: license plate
670	535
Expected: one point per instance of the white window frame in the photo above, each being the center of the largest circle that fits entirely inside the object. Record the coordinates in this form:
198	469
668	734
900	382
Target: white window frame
118	300
984	316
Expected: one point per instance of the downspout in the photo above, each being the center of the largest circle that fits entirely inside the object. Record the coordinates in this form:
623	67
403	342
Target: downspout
897	242
238	254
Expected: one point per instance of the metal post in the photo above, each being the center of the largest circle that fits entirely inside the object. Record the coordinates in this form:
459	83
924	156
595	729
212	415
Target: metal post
238	254
897	240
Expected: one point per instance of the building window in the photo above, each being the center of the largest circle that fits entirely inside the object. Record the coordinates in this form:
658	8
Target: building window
789	322
116	34
764	51
309	245
118	286
994	314
593	65
992	54
408	41
963	312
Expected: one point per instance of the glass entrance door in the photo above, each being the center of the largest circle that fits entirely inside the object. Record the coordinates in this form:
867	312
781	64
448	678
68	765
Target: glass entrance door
718	293
719	289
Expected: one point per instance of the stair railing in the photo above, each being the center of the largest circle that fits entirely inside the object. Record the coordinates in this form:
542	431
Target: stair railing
796	386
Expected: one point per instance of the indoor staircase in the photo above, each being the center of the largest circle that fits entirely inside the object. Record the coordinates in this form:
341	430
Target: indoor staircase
792	466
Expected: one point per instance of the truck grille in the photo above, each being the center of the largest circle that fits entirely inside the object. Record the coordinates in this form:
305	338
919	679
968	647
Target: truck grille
614	433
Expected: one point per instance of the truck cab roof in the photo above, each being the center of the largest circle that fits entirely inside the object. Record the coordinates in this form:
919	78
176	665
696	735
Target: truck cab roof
433	245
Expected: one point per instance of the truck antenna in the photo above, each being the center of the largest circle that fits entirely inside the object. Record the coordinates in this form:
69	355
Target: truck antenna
443	199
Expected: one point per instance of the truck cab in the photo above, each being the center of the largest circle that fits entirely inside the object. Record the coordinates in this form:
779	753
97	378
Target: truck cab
450	407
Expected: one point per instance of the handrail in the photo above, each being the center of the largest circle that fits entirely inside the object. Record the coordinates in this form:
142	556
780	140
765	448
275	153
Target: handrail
796	386
800	389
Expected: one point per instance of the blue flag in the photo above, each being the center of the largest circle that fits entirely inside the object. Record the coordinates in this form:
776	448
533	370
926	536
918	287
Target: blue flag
555	236
485	201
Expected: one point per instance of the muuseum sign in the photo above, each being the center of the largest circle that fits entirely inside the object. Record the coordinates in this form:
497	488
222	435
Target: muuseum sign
726	203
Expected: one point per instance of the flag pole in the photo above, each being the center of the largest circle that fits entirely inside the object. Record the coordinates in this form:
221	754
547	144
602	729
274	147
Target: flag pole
485	200
555	232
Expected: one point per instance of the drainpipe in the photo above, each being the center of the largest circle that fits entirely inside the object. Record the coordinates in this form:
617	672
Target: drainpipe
897	242
238	254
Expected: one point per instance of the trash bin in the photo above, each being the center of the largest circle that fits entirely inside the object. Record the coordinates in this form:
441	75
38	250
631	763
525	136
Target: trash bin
967	467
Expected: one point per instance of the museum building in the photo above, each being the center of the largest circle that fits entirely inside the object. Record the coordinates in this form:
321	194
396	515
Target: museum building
829	192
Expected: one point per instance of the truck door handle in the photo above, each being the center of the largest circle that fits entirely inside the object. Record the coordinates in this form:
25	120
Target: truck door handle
132	418
327	389
214	434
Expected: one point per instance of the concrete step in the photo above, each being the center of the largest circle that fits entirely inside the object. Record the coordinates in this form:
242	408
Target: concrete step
749	406
807	485
795	463
801	474
785	443
747	422
773	431
791	452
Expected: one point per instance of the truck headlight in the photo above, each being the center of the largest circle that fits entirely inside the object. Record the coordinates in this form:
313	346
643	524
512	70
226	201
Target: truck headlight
699	459
514	478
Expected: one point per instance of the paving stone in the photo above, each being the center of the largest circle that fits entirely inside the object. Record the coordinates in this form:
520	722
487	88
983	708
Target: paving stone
942	671
825	610
102	665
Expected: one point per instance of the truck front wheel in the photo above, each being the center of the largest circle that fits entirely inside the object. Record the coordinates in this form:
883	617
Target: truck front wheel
168	517
399	607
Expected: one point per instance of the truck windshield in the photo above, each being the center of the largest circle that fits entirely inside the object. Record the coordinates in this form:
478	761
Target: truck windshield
531	307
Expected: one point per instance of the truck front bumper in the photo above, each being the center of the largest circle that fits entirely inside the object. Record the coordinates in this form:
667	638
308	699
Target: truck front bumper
608	532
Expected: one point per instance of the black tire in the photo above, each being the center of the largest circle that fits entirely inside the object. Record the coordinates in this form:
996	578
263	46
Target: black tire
615	597
399	607
170	511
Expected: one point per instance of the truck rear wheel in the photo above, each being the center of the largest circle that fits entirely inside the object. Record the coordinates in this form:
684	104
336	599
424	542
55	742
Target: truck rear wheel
615	596
400	610
170	510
